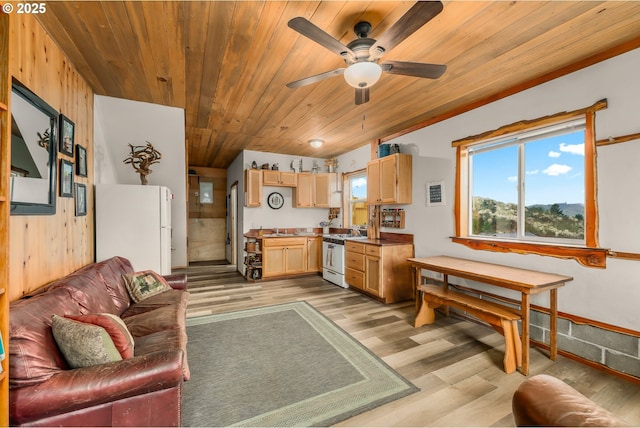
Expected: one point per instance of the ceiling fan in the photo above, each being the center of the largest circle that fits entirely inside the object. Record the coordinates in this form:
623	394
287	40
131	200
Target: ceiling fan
362	54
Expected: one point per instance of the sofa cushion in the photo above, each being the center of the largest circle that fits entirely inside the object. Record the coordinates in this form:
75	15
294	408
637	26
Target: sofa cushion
170	317
33	354
115	327
111	271
170	297
163	341
145	284
83	344
88	289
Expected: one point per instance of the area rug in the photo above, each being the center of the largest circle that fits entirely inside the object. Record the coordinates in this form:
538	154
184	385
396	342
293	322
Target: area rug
283	365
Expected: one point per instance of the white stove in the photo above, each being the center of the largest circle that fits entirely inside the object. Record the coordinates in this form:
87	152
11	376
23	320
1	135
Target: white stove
333	258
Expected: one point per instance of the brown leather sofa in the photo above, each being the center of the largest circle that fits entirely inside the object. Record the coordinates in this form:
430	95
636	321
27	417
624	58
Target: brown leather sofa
145	390
544	400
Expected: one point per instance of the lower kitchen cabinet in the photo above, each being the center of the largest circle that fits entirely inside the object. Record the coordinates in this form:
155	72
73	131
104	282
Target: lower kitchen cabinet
284	256
314	254
381	271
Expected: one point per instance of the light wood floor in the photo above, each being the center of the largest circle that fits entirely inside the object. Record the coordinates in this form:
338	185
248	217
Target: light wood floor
457	364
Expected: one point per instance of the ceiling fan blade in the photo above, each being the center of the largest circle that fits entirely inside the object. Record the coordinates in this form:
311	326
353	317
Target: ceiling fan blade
313	79
419	14
416	69
318	35
362	95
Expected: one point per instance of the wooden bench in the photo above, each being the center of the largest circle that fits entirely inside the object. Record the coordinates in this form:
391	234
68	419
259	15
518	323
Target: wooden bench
502	318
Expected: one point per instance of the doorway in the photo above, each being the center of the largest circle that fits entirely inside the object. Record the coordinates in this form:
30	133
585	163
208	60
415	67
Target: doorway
233	219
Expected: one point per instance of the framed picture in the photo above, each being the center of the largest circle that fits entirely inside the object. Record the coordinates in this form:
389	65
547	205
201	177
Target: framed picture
66	178
81	199
81	161
67	130
435	194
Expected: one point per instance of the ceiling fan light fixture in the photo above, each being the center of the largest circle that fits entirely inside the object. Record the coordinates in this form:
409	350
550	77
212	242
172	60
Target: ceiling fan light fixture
362	74
316	143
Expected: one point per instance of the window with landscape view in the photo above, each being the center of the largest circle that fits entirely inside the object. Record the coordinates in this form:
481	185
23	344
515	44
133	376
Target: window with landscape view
529	186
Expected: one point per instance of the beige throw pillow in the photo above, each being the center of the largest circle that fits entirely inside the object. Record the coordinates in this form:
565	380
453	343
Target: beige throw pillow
82	344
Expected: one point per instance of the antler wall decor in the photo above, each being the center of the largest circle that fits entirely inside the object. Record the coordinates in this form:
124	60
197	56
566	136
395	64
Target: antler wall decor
141	158
43	139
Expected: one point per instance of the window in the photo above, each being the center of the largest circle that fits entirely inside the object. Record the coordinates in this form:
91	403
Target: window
357	212
530	188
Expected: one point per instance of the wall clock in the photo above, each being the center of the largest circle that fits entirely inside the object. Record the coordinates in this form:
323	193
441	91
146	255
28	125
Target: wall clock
275	200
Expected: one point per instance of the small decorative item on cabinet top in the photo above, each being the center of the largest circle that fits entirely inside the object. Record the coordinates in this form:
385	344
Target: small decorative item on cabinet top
331	164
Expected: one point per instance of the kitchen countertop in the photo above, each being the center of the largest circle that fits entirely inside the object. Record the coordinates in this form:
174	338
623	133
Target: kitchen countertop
386	239
381	242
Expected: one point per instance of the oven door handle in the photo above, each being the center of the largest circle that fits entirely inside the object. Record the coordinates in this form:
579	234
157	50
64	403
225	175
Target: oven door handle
329	260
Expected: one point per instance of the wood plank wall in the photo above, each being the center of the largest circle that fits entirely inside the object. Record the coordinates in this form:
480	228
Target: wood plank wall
207	228
44	248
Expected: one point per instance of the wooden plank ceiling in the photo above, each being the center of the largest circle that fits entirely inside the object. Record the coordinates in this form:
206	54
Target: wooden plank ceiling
227	63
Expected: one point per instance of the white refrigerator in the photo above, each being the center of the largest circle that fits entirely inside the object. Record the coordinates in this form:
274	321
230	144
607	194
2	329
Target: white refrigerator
134	221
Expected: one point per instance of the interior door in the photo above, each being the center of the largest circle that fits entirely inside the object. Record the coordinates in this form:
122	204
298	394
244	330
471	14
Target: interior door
233	217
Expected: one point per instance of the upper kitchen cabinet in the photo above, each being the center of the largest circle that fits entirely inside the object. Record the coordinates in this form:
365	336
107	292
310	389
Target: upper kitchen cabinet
325	190
389	180
252	188
316	191
279	178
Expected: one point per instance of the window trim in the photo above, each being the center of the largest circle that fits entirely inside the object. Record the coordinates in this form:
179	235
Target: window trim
346	193
590	254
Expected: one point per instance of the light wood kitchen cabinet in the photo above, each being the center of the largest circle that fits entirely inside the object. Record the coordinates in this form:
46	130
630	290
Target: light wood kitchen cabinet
303	193
252	188
279	178
325	193
389	180
314	254
283	256
381	271
316	191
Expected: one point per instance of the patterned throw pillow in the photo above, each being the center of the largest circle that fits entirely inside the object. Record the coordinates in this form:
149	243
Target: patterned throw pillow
145	284
116	328
83	345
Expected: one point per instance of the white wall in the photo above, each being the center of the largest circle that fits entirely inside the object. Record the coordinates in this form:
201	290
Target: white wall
608	295
120	122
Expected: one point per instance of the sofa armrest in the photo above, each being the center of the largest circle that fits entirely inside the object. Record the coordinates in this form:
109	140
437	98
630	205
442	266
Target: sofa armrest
71	390
177	281
544	400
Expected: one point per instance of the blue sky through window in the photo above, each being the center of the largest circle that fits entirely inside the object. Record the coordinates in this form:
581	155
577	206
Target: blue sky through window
359	188
554	171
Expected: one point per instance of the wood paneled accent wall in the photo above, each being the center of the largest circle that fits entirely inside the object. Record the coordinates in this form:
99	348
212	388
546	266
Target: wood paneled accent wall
5	153
207	226
44	248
